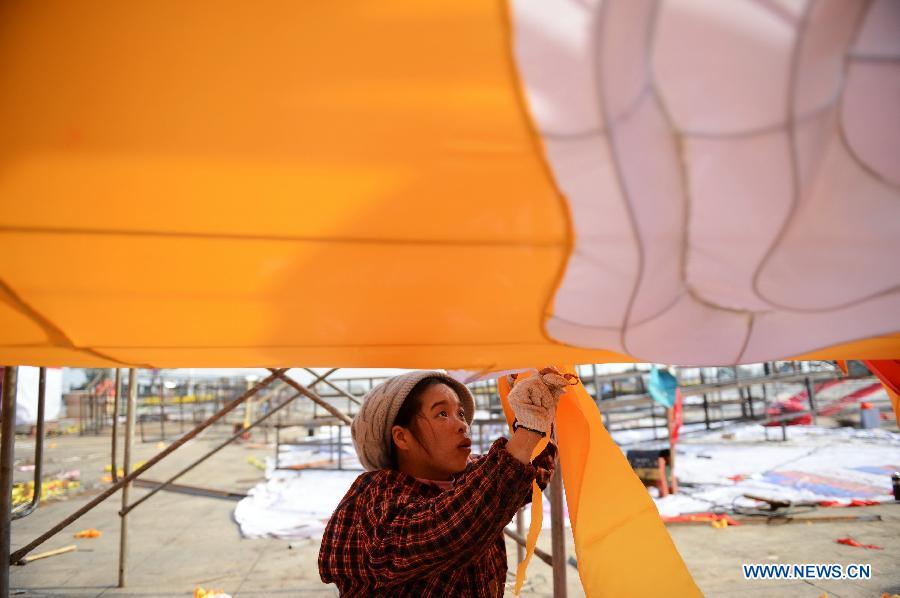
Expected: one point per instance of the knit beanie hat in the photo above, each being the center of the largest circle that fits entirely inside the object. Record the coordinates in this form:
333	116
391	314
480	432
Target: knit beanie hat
371	428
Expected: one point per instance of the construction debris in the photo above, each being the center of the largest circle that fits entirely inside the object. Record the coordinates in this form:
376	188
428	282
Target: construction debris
119	471
716	520
43	555
56	489
256	462
723	521
201	593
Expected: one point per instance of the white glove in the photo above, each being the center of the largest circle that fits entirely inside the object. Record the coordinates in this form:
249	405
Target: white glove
534	399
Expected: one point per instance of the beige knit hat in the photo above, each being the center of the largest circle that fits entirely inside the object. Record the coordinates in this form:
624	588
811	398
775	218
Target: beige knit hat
371	428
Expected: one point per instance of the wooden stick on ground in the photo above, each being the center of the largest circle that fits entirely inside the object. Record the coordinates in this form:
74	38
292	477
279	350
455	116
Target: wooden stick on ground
42	555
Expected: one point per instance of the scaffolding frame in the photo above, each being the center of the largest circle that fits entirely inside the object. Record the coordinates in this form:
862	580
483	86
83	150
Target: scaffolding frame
557	560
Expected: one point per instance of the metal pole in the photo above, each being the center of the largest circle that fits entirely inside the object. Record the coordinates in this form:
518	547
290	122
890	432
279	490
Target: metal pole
557	533
81	411
126	466
162	407
277	444
331	443
340	446
719	398
115	424
100	412
38	450
705	400
743	401
7	452
89	412
670	424
750	402
811	395
150	463
520	530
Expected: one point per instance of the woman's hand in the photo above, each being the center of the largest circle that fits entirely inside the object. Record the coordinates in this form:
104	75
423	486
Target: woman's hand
534	399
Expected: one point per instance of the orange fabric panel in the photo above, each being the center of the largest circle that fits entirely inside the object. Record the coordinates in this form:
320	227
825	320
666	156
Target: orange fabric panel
220	184
278	120
617	528
219	293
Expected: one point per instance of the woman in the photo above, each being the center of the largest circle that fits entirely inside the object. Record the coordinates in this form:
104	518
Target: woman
426	519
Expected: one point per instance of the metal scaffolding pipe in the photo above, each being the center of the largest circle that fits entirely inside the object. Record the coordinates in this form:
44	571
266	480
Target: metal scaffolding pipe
313	397
126	508
38	451
162	407
150	463
320	377
557	532
520	530
332	385
115	424
7	450
126	466
811	397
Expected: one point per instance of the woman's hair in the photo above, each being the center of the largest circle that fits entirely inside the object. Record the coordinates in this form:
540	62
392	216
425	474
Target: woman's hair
409	410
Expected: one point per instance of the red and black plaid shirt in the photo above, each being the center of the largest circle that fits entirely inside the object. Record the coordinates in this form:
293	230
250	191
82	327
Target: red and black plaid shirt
393	535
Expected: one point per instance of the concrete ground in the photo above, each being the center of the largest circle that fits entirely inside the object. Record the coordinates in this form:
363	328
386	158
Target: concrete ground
179	542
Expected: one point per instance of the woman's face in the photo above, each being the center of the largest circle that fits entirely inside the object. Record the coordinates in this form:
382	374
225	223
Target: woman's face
441	429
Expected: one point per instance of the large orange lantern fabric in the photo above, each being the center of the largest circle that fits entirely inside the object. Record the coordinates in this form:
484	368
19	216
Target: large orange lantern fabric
473	185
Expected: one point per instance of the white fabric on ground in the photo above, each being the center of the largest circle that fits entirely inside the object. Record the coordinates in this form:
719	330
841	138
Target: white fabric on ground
815	464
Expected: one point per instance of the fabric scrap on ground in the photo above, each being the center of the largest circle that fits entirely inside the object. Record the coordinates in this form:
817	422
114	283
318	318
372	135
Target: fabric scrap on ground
852	542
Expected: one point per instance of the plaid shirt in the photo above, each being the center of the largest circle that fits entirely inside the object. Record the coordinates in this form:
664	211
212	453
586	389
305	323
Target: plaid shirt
392	535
